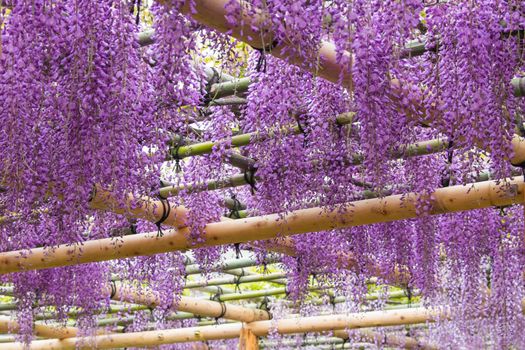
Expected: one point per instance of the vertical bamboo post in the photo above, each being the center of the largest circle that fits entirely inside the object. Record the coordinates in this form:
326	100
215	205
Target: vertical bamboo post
247	340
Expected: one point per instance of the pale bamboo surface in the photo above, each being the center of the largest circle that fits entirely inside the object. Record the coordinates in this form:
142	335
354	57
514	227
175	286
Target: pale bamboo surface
139	208
364	212
196	306
233	330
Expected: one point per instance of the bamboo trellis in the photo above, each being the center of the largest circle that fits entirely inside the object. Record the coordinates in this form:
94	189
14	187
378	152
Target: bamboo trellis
396	207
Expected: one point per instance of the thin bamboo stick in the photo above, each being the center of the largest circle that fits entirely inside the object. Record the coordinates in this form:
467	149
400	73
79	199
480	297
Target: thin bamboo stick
233	330
365	212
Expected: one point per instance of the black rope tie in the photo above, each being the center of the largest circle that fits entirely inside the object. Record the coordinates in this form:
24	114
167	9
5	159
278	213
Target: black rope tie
138	3
113	289
175	156
519	122
215	78
217	296
408	293
261	62
133	227
303	129
249	177
264	305
332	301
166	209
238	281
265	267
223	312
445	179
238	253
234	212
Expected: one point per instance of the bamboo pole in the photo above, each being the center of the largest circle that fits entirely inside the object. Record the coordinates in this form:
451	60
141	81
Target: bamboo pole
42	330
229	88
252	30
235	280
232	264
410	150
195	306
233	330
364	212
140	208
282	291
246	139
388	339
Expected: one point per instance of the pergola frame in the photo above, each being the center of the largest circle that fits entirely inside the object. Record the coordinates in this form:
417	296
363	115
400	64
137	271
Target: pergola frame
255	322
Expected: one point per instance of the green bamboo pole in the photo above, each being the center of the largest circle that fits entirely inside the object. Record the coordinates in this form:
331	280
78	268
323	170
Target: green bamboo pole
410	150
229	88
232	264
283	291
235	280
518	86
246	139
8	306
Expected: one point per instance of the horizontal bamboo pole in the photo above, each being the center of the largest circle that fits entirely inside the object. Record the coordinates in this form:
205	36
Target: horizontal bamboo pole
41	330
259	328
387	339
410	150
229	88
232	264
235	280
246	139
139	208
364	212
195	306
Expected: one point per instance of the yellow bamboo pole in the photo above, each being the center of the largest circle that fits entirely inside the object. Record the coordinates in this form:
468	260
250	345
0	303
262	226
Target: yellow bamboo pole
364	212
202	307
233	330
7	325
140	208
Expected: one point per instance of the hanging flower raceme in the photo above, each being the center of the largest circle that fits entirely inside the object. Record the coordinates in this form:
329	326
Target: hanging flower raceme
471	62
